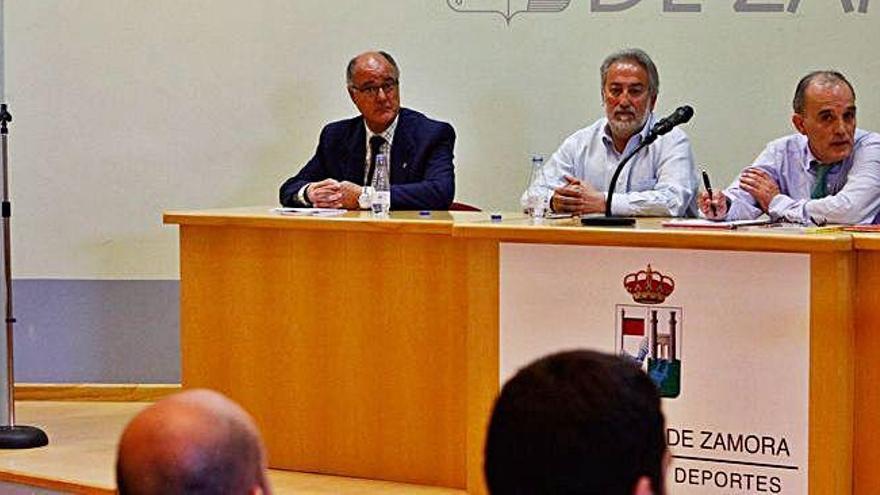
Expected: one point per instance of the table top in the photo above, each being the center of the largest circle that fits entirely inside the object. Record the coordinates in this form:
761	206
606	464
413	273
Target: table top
517	227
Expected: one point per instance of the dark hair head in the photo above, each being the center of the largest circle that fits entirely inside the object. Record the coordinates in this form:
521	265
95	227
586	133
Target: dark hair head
799	102
349	70
633	55
578	422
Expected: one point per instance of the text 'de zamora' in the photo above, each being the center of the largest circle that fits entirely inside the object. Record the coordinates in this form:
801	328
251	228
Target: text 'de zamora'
742	443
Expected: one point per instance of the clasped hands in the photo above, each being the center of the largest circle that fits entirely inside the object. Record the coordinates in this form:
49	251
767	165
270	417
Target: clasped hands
754	181
577	197
330	193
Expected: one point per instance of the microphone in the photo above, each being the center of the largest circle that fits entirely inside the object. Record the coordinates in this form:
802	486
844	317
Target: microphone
680	116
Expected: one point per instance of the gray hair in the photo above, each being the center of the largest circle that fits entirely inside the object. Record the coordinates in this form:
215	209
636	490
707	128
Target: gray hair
349	71
799	102
638	56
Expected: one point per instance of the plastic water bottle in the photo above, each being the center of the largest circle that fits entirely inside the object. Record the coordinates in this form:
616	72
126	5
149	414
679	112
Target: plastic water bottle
380	202
537	199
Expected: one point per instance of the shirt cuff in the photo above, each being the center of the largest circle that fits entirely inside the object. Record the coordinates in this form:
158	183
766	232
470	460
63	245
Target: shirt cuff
301	196
782	206
620	205
365	197
739	209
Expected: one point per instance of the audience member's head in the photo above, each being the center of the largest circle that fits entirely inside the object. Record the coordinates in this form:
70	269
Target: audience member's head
193	442
577	423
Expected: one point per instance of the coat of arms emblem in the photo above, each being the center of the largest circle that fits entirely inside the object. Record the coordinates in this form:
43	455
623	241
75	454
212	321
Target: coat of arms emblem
651	334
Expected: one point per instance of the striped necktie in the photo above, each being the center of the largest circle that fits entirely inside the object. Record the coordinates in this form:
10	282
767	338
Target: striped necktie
376	143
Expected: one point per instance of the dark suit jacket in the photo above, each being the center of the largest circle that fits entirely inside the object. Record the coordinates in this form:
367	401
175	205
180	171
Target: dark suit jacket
422	174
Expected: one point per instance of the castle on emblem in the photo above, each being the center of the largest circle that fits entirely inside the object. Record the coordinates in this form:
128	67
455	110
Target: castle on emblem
648	286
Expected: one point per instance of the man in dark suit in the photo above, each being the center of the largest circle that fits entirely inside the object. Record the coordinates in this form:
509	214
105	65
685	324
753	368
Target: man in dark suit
420	149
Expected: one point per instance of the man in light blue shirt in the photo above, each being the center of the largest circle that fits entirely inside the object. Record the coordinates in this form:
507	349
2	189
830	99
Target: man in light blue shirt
660	180
827	173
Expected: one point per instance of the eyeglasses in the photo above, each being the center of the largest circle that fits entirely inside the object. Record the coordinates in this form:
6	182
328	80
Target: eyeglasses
388	87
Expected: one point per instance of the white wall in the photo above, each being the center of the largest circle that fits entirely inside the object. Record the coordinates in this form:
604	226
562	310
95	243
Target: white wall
124	108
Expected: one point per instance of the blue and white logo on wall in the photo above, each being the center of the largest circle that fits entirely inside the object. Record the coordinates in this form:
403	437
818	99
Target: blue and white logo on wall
508	8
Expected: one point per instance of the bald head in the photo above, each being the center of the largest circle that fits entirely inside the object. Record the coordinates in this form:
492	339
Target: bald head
192	442
371	59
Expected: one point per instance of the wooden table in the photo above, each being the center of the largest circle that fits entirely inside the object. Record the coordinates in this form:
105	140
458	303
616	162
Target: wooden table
369	348
866	476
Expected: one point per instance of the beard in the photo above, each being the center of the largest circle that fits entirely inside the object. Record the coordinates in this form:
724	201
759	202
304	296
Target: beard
627	128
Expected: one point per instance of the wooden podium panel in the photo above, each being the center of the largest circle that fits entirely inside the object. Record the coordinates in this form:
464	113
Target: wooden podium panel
347	346
832	406
866	458
831	368
370	348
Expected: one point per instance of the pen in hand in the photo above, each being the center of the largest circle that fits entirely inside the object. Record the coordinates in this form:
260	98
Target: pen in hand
708	186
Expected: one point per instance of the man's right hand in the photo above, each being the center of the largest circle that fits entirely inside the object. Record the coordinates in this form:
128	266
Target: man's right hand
325	194
718	199
350	192
577	197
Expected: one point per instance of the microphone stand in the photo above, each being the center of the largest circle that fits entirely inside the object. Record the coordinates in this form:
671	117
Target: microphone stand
11	436
608	220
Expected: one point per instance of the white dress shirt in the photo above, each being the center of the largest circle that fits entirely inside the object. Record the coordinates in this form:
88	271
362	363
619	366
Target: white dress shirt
385	149
660	180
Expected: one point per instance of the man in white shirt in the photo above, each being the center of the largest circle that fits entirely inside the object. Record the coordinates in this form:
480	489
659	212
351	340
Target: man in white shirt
660	180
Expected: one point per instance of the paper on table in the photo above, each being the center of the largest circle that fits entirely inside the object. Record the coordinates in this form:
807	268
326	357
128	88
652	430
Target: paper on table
310	212
701	223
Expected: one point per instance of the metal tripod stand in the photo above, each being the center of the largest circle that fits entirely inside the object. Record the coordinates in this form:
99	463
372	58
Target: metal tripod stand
11	435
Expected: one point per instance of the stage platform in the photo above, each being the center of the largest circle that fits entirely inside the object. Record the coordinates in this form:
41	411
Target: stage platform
82	451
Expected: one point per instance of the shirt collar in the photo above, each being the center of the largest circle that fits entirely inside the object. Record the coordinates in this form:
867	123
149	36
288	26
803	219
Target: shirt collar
811	163
388	133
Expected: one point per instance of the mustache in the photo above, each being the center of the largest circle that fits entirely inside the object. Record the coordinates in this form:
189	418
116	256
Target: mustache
624	113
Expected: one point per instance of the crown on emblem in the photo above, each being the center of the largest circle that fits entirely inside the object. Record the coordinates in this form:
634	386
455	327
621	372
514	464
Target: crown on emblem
648	286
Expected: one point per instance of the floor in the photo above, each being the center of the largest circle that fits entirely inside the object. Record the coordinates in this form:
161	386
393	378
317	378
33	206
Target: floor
81	455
